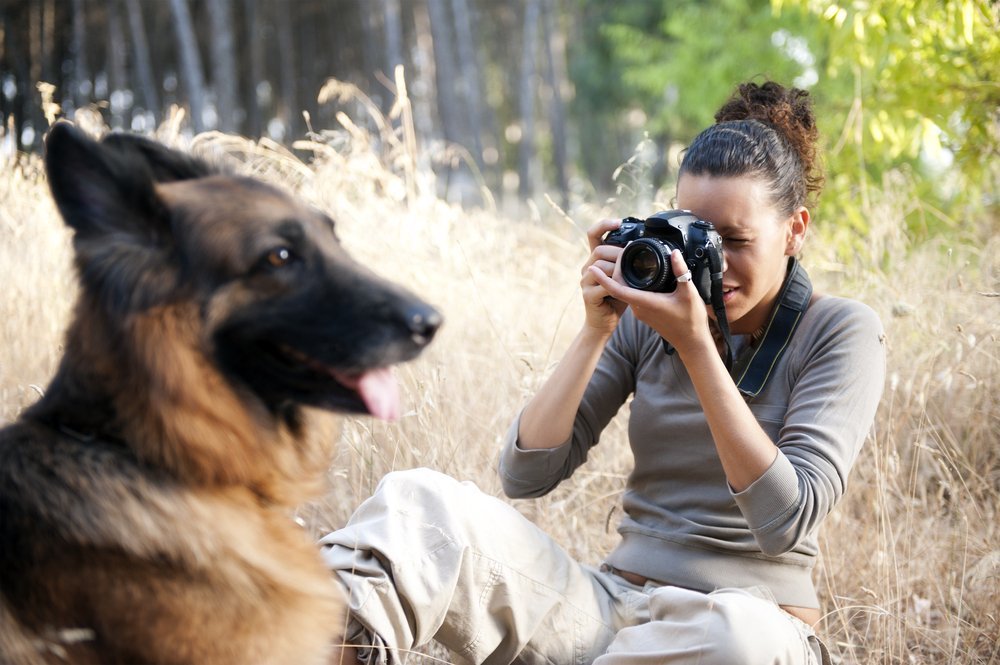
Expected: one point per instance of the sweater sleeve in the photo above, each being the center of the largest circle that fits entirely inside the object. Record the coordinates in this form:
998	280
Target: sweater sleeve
837	387
533	473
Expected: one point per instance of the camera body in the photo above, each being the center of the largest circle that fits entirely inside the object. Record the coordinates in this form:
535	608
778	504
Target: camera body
648	243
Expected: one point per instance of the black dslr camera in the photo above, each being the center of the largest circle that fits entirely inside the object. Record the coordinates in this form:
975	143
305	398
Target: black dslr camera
648	243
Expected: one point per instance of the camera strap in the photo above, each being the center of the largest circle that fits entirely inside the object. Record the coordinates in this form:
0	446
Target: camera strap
785	317
719	305
793	299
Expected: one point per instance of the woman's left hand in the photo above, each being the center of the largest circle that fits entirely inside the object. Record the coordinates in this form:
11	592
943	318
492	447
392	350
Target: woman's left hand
679	317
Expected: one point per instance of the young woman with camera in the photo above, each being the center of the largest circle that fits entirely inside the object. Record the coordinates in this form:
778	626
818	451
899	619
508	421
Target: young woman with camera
734	469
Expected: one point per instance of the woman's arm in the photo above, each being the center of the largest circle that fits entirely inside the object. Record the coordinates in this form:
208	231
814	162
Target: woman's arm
744	449
547	420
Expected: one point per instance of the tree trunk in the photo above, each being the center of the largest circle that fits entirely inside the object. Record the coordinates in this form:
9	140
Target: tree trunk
393	28
190	61
421	76
46	39
526	154
287	72
143	67
370	55
471	80
254	44
17	34
117	79
449	112
557	116
79	92
224	65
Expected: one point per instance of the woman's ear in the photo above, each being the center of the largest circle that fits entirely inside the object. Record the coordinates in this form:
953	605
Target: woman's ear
797	226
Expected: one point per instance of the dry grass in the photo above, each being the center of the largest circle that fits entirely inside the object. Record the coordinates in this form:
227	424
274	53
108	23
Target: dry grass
910	570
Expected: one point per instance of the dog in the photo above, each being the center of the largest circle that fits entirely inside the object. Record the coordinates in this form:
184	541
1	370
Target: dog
146	499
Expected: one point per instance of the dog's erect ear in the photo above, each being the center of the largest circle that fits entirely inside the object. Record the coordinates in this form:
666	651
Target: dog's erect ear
106	194
164	164
100	190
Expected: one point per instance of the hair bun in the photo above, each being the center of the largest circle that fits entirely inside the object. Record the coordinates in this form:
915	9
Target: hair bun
789	111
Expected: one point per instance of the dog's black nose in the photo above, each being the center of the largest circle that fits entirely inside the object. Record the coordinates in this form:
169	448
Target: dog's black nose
423	321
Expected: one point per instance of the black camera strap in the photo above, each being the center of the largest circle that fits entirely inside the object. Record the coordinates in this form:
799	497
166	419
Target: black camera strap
719	305
785	317
793	299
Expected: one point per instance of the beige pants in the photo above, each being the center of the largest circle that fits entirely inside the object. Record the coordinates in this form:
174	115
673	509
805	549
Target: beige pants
430	558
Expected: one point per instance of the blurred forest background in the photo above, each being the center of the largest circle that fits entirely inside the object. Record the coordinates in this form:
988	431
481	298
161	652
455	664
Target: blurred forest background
580	99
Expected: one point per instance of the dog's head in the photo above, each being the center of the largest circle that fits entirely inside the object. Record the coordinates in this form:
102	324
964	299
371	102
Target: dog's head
281	310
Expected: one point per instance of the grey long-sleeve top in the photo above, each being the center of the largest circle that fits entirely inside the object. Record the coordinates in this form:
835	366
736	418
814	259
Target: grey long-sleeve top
683	525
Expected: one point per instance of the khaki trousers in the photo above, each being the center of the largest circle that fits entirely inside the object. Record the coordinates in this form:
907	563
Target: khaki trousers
430	558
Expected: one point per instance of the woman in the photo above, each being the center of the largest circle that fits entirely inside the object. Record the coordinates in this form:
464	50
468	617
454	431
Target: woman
729	487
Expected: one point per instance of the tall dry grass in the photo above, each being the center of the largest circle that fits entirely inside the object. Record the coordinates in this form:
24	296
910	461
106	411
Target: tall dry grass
910	565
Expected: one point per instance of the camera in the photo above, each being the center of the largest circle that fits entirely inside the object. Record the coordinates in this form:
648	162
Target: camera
645	261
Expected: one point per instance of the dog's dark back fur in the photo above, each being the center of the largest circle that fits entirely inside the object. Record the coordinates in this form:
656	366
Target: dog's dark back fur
145	499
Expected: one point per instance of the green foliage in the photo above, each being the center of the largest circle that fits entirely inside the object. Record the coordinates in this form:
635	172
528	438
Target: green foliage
904	90
917	88
687	64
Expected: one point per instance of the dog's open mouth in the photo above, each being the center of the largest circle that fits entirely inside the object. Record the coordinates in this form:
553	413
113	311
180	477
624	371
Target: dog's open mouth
372	390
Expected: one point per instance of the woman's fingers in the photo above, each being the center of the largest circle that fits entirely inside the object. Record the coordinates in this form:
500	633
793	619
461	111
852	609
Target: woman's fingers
614	289
596	233
677	263
603	256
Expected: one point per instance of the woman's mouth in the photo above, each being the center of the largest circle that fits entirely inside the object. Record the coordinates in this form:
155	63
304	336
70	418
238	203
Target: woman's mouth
728	293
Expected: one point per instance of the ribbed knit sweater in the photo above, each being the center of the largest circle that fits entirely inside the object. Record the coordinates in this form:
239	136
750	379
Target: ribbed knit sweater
683	525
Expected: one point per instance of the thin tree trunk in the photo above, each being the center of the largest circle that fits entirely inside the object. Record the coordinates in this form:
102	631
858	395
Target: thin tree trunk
287	72
526	154
557	116
79	85
392	28
445	74
224	65
35	46
117	79
369	54
5	110
143	66
471	80
190	61
17	32
46	20
422	74
308	67
254	39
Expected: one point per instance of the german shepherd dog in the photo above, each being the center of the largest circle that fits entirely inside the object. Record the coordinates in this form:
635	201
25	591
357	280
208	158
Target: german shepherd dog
146	498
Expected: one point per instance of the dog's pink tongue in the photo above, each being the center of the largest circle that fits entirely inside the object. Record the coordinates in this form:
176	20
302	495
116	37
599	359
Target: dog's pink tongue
380	393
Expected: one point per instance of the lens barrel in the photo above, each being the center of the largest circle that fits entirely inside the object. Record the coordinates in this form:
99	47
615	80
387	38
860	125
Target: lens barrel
646	265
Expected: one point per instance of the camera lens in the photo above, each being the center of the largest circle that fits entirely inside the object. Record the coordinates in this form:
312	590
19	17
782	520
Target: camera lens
646	265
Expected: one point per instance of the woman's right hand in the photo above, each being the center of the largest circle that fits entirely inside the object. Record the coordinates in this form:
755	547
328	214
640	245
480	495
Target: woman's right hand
602	311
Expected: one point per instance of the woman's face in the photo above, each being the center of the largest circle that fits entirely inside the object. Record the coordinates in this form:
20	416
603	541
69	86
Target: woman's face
756	239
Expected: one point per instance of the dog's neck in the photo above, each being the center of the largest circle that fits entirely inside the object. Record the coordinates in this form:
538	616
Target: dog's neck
151	388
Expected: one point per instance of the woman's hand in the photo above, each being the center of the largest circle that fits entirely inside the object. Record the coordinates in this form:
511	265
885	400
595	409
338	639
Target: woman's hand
602	312
680	317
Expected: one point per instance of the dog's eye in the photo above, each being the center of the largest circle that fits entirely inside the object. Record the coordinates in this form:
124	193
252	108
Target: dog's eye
278	257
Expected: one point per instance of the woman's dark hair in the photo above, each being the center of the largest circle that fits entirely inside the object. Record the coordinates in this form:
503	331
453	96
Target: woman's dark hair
766	131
